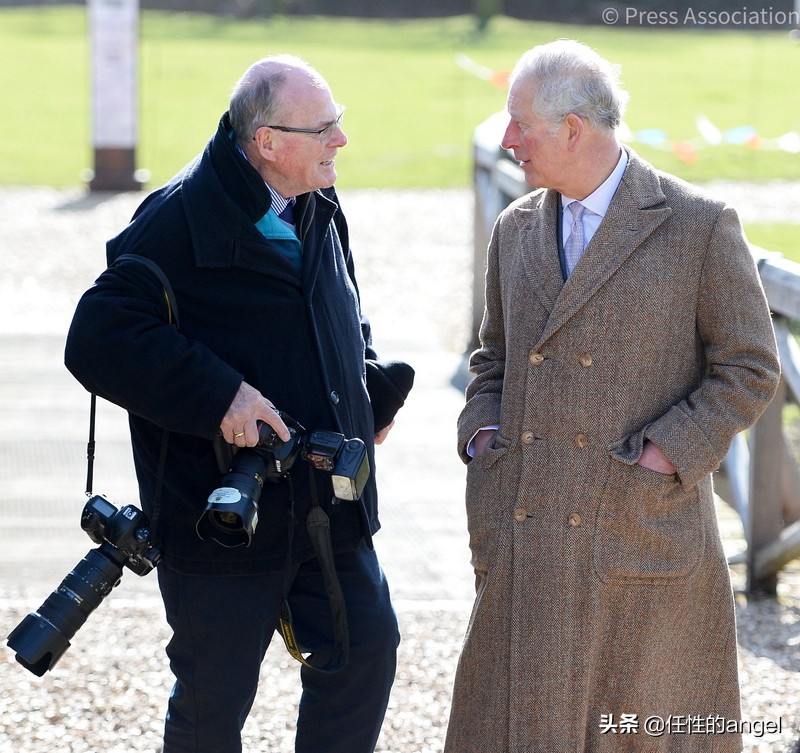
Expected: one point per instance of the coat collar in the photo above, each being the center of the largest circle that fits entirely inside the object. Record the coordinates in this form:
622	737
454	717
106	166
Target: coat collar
637	209
222	190
224	197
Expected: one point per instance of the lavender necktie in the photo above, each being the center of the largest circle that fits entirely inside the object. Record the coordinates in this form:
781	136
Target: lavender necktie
574	245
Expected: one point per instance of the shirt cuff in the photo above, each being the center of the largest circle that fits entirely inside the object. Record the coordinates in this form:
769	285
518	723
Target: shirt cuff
471	443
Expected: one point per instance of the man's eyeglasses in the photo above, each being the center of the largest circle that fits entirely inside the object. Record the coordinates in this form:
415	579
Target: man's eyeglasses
321	133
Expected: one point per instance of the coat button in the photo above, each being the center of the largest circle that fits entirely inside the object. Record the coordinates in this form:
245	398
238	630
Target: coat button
536	358
581	440
334	397
527	437
574	520
520	515
585	359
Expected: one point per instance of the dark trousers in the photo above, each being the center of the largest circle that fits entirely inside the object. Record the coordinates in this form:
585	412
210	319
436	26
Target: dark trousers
222	627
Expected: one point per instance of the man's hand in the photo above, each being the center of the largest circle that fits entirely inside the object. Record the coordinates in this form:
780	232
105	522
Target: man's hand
481	441
655	460
239	426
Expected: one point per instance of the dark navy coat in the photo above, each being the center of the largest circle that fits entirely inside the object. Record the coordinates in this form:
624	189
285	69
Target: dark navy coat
245	314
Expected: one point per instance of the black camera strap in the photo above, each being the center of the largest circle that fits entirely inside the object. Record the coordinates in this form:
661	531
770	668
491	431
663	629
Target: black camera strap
319	529
90	452
172	318
90	446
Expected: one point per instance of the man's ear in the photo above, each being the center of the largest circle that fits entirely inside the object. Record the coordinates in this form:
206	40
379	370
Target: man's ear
264	144
576	129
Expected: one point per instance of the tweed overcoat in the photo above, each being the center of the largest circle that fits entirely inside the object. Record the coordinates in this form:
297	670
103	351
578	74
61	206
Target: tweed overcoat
603	595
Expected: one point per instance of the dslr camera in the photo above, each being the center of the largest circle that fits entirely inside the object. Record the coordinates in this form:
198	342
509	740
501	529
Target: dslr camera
124	538
231	515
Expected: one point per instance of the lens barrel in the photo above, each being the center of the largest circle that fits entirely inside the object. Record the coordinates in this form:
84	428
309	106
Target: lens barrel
43	636
231	515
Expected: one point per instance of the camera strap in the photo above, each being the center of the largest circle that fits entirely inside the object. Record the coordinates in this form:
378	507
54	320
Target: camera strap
319	530
90	451
90	446
172	318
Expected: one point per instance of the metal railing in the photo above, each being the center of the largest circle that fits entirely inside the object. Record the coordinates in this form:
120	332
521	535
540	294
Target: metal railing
760	477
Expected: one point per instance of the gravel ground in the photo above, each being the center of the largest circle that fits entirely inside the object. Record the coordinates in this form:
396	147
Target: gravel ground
413	254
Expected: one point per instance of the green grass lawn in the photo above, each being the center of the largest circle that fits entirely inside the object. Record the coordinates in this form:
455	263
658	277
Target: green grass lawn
783	237
411	108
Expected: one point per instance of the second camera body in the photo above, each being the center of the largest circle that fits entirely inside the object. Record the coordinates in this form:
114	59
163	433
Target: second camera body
231	514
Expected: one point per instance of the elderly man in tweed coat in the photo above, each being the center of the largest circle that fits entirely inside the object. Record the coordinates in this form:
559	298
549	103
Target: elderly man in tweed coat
625	341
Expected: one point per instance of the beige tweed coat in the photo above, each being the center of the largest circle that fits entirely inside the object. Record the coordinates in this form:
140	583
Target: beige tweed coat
603	595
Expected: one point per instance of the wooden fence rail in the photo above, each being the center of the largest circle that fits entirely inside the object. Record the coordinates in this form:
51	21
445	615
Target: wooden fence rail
760	477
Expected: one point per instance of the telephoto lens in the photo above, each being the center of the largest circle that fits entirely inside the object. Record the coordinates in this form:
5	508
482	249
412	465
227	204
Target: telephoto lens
43	636
124	537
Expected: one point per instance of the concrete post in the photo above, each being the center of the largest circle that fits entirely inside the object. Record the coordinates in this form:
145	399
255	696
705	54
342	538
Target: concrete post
114	43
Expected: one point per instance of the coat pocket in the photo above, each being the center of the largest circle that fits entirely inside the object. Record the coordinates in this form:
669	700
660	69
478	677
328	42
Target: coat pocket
484	502
649	527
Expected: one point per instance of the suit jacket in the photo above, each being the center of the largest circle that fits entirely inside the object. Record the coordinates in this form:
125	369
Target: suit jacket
603	587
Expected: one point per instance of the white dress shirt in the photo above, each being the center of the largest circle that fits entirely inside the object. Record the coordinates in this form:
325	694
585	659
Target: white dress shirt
596	203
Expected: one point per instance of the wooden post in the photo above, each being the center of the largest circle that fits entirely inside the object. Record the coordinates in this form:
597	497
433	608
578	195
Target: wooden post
114	32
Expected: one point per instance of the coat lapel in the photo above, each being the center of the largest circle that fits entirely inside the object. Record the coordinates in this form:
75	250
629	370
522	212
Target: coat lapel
637	209
538	230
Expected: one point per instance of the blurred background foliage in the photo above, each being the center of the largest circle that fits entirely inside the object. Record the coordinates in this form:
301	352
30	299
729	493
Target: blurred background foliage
414	91
704	104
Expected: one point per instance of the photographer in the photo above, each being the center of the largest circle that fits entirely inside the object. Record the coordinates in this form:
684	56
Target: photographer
252	239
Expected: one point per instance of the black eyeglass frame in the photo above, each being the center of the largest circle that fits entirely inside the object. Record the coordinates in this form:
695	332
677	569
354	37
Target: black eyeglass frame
310	131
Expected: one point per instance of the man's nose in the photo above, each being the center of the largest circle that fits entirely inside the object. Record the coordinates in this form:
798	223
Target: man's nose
339	138
510	137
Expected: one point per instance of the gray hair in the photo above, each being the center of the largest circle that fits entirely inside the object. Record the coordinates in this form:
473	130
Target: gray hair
256	97
570	77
